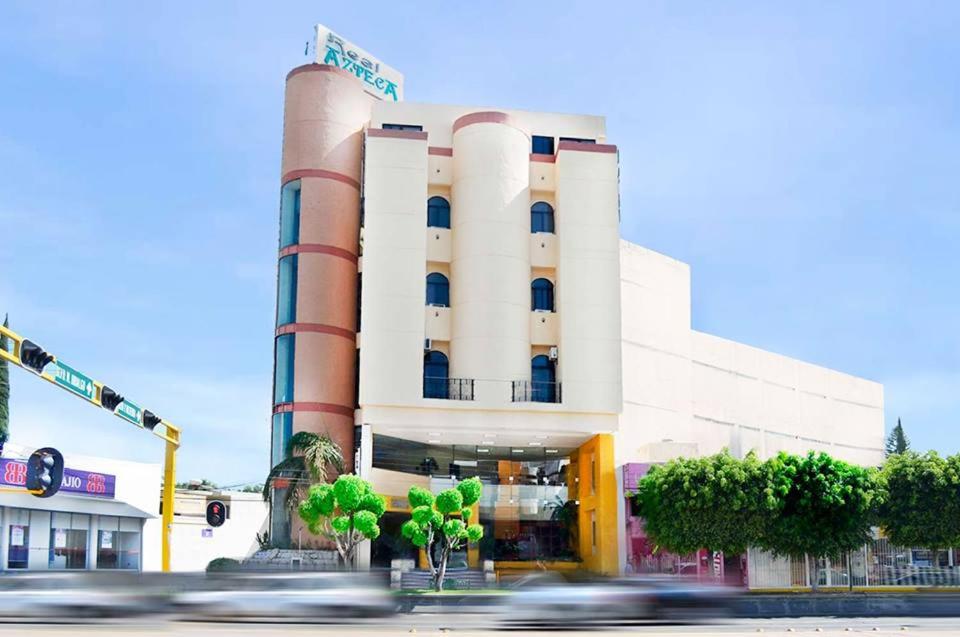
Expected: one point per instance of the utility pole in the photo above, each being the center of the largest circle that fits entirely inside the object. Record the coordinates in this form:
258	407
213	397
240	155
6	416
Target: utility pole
33	358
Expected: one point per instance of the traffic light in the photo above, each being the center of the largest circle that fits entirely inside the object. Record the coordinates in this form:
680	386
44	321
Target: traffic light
44	472
109	399
216	513
33	357
150	420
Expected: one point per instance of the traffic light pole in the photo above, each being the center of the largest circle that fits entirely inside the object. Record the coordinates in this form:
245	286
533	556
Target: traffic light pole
97	393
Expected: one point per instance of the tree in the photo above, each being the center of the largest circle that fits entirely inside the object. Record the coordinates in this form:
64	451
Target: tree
4	391
718	503
345	512
897	441
823	507
310	458
198	485
442	519
921	500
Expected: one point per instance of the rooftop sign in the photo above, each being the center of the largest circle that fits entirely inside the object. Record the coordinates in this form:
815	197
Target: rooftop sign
382	81
14	473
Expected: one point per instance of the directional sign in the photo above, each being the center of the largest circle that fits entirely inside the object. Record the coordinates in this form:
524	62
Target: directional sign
129	412
69	378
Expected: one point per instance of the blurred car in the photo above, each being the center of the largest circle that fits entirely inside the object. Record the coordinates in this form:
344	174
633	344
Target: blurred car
549	599
319	597
69	596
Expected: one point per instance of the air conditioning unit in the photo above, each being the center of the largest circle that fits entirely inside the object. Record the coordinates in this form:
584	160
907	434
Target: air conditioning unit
427	344
554	353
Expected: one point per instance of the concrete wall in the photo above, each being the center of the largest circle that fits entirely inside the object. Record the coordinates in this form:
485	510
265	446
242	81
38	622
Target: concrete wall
686	387
237	538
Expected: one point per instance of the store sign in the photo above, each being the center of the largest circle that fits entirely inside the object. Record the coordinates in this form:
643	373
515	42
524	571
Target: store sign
59	538
106	539
379	80
14	473
16	535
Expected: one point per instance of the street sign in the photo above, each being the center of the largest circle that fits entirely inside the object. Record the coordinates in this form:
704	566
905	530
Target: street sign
69	378
129	412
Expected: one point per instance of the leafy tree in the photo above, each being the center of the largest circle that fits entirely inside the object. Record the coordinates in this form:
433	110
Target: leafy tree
897	441
442	519
4	391
823	507
252	488
921	500
345	512
310	458
717	503
201	485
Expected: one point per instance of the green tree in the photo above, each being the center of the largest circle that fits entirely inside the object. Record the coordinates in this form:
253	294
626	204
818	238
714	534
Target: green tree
897	441
442	520
310	458
823	507
4	391
921	500
199	485
717	503
345	512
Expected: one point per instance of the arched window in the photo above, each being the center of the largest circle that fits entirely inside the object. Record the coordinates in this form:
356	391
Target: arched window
436	369
438	290
543	374
541	217
438	212
541	295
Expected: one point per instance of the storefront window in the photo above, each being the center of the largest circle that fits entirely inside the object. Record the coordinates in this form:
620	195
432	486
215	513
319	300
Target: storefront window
526	509
19	546
68	549
118	549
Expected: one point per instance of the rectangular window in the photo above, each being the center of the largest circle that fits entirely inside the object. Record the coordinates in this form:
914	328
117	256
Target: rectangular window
19	543
68	549
290	214
280	437
542	145
287	290
412	127
283	369
578	140
118	549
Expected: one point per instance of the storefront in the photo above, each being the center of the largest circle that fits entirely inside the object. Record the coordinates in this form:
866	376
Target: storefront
92	523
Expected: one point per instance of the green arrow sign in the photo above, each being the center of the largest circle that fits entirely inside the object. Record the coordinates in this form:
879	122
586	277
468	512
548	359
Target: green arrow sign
69	378
129	412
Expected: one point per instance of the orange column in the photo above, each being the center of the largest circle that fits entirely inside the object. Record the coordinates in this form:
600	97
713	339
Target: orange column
597	493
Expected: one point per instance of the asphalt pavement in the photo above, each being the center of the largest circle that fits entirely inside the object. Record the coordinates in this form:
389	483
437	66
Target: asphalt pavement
457	626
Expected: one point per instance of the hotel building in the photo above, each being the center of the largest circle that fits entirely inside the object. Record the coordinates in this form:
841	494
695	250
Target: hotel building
455	300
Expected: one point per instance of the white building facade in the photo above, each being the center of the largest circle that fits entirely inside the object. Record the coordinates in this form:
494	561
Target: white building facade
455	300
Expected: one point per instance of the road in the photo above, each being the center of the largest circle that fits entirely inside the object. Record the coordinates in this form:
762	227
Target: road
437	625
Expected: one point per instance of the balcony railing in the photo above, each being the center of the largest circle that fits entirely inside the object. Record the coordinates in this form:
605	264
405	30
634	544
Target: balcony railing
448	388
536	391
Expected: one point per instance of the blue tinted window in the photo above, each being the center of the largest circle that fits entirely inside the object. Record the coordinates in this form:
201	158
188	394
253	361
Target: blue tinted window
435	371
541	217
414	127
542	145
290	214
287	290
283	369
544	380
280	437
578	140
438	290
438	212
541	295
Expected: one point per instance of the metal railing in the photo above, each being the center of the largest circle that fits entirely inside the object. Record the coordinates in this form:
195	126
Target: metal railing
448	388
536	391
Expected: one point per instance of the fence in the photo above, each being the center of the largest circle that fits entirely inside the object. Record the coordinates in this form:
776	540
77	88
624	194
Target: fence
877	564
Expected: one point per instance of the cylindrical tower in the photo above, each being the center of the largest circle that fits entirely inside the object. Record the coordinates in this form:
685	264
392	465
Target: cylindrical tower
325	111
490	261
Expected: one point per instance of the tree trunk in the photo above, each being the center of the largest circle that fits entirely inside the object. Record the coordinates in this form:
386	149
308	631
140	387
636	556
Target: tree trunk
430	564
444	556
812	573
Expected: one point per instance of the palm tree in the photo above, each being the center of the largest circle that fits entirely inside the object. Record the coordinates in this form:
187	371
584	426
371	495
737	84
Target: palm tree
310	459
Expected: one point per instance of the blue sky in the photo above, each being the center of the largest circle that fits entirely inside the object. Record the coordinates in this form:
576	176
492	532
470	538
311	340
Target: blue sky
803	160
